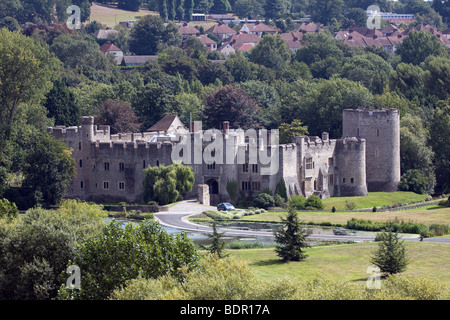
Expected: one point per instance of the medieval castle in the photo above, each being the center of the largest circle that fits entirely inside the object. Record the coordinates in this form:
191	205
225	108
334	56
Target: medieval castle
110	167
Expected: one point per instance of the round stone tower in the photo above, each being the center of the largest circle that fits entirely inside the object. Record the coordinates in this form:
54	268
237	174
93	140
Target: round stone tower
381	130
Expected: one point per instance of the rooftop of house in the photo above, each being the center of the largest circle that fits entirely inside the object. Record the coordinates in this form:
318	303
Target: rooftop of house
206	40
106	34
221	28
259	27
108	47
165	123
187	29
309	27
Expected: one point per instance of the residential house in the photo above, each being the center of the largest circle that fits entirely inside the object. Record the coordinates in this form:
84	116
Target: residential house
226	49
257	28
112	49
209	43
221	30
188	31
293	40
106	34
309	27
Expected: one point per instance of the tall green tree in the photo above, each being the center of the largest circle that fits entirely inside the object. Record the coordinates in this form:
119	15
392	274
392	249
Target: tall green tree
290	130
27	69
391	256
49	171
292	238
151	35
272	52
418	46
61	105
324	11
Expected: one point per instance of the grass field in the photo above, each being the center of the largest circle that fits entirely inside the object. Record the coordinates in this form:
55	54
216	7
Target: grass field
425	215
347	262
111	16
374	199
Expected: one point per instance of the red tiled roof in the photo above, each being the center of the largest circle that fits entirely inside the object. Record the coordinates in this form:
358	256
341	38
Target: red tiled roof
206	40
259	27
245	47
309	27
109	47
221	28
187	29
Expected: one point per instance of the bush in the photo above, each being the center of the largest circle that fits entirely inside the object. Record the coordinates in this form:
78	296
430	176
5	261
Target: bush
263	200
314	202
8	209
297	201
350	205
416	181
333	209
279	201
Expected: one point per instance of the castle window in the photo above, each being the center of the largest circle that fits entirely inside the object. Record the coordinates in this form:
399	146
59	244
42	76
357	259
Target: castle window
378	132
256	185
79	145
157	163
309	163
254	168
330	161
121	185
81	163
245	185
352	180
331	178
211	166
105	185
81	185
106	166
315	184
143	164
343	180
245	167
121	166
357	132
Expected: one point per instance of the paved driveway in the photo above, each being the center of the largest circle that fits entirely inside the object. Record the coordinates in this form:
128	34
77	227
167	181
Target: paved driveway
177	217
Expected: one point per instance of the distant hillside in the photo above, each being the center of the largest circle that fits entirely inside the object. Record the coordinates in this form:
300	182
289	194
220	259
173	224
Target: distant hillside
110	16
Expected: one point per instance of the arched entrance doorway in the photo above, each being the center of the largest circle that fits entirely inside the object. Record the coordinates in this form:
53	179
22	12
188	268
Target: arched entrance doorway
213	191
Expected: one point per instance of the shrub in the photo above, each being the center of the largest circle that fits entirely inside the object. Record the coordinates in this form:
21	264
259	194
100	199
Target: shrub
416	181
333	209
8	209
314	202
350	205
263	200
279	201
297	201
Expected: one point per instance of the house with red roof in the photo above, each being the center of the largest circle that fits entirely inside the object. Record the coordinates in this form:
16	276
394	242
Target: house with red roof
188	31
209	43
112	49
221	30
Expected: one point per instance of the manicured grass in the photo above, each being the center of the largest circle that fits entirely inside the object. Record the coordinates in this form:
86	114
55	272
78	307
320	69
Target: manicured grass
374	199
425	215
348	262
111	16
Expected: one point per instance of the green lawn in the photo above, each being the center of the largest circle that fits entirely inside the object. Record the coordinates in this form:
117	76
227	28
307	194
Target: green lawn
374	199
111	16
347	262
426	215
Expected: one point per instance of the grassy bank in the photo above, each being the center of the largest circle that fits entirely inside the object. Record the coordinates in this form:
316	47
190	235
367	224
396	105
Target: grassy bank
425	215
347	262
374	199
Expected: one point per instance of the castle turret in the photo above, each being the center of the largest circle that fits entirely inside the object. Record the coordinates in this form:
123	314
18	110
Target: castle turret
381	130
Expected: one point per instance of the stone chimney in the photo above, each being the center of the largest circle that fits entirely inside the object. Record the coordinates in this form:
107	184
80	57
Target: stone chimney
226	127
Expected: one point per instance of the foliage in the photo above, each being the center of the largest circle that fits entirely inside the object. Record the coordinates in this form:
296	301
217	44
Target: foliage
263	200
165	184
151	35
297	201
61	106
292	238
417	181
8	209
391	255
231	104
289	131
119	254
313	202
217	245
48	240
272	52
119	116
232	189
418	46
50	169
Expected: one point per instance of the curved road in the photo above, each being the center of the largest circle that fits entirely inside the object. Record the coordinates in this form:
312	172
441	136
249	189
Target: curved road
177	217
